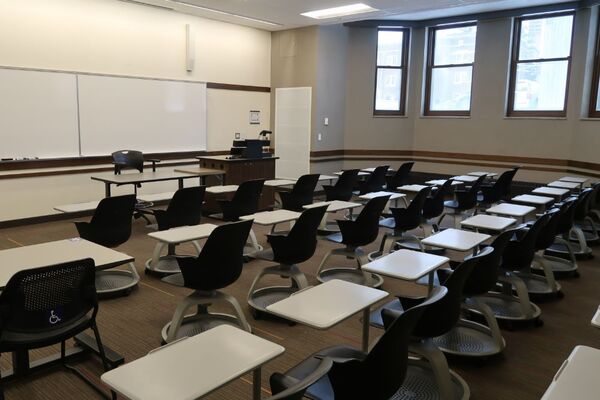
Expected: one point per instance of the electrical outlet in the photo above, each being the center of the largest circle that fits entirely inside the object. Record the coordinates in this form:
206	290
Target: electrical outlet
326	121
319	137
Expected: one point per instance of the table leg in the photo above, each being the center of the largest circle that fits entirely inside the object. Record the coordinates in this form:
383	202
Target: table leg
156	254
256	384
180	183
430	283
365	330
20	361
106	189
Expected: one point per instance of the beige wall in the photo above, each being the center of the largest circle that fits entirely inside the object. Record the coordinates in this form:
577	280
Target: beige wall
113	37
363	130
487	131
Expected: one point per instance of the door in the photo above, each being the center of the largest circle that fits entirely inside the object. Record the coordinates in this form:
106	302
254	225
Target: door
292	131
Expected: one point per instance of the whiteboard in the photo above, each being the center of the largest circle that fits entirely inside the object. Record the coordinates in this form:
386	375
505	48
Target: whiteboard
38	114
152	116
293	127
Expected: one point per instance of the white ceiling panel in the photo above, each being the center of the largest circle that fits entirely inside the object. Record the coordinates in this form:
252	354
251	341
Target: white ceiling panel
285	14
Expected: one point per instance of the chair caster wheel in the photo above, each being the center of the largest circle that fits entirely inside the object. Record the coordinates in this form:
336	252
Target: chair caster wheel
509	326
560	295
247	259
256	314
576	274
538	323
292	323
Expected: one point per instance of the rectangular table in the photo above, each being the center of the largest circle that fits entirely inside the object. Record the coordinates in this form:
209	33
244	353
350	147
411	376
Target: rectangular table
328	304
538	201
465	178
482	173
551	191
78	207
511	210
332	207
203	173
488	222
193	367
456	239
360	173
564	185
51	253
440	182
393	196
144	177
280	182
412	188
329	178
175	236
372	169
272	217
407	265
577	377
222	189
576	179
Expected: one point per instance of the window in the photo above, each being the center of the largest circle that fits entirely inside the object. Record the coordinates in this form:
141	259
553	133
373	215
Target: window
541	61
391	75
450	60
595	96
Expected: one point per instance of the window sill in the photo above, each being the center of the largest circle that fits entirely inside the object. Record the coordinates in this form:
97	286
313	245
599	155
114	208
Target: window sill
593	119
389	116
535	118
445	117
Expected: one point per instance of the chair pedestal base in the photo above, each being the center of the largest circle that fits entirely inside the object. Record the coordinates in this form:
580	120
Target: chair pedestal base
189	325
578	247
429	377
260	299
354	275
167	264
560	267
114	282
508	308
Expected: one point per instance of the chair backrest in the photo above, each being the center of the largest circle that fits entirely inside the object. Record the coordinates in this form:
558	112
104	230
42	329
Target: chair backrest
301	194
247	196
401	176
444	314
297	390
434	205
301	242
366	226
344	185
376	180
110	225
545	237
410	217
385	366
124	159
583	204
567	218
484	275
220	262
185	208
509	179
519	254
468	199
42	300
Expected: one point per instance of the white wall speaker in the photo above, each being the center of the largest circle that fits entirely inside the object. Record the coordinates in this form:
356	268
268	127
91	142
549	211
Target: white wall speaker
190	49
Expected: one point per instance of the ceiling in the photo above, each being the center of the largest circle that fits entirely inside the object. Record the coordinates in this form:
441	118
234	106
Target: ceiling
285	14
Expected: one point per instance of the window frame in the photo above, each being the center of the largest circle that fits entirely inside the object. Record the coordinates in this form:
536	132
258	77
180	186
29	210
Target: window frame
514	63
403	76
429	72
593	103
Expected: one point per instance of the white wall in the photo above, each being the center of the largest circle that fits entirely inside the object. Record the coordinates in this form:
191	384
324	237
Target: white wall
113	37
